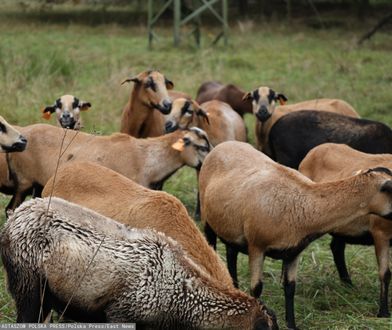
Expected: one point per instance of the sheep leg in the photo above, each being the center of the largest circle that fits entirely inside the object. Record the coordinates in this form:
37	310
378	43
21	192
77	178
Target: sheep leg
338	246
37	191
381	244
290	277
15	201
28	294
256	261
197	210
231	257
210	235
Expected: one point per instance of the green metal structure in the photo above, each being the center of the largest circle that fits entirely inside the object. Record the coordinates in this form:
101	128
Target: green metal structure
192	17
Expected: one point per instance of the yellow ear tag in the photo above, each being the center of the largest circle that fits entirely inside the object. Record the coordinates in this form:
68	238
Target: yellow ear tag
282	102
179	145
46	115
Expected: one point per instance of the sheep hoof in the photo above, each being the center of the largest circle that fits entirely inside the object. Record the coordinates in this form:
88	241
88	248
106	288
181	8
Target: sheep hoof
383	314
347	281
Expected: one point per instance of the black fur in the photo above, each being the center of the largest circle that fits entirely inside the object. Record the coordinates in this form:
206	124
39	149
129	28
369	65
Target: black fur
295	134
3	128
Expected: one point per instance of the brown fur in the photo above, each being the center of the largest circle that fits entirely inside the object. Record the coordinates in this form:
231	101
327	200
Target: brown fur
231	94
266	206
216	118
329	162
139	118
145	161
119	198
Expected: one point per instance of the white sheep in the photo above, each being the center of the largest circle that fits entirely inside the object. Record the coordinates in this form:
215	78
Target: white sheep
56	252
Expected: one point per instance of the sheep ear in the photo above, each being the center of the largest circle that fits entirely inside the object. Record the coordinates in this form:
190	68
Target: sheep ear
247	96
281	98
169	84
47	111
179	145
136	80
358	172
202	113
84	106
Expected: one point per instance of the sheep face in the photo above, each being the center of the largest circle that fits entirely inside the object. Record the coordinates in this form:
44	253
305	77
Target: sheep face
193	146
182	114
264	102
153	86
67	110
10	139
381	203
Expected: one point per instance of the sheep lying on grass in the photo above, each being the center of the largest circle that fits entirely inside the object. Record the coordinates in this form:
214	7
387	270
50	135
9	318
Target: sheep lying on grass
259	207
113	195
330	162
146	161
57	253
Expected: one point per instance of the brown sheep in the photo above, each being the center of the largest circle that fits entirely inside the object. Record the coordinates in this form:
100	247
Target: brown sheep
231	94
115	196
330	162
10	140
264	107
92	269
260	207
67	109
216	118
142	116
146	161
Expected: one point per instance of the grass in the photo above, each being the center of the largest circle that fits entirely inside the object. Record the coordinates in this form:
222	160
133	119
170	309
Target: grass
41	60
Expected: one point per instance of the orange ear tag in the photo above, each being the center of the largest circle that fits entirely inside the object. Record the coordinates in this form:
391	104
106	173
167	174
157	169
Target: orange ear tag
46	115
282	102
179	145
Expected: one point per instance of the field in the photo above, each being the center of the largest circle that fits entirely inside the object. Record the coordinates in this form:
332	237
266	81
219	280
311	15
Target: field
41	60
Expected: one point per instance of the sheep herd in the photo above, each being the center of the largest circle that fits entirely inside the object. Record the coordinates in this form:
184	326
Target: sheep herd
101	243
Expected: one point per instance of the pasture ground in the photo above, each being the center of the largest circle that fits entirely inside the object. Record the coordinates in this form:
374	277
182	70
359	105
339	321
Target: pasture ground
41	60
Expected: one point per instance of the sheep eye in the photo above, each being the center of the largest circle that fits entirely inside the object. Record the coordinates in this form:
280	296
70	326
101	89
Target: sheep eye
151	84
3	129
202	148
187	141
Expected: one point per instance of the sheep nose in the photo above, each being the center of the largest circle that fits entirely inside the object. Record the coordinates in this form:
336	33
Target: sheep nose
263	113
169	127
66	115
166	107
22	139
20	145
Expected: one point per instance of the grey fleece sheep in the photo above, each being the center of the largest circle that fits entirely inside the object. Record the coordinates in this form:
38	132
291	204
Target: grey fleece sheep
113	274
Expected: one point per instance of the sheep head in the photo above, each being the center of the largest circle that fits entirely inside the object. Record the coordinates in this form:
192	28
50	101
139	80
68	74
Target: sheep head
152	88
264	102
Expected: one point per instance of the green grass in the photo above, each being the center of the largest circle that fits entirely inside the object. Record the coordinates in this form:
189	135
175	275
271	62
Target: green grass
41	61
